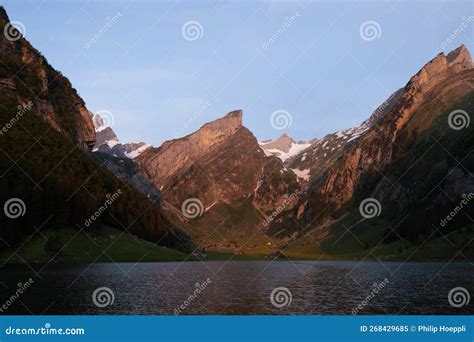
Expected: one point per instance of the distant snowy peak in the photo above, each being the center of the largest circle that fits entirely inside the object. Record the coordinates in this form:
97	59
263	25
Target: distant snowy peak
108	142
133	150
284	147
283	143
99	123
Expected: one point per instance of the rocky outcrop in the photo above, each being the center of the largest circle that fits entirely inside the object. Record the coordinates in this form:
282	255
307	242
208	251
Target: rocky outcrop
221	162
52	94
173	156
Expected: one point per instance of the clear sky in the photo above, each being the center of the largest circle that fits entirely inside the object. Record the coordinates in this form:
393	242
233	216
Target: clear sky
309	58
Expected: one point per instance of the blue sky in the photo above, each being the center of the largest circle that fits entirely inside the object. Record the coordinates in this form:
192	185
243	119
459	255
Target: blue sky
317	67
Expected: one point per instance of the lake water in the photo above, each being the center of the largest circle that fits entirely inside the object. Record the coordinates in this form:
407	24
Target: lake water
241	288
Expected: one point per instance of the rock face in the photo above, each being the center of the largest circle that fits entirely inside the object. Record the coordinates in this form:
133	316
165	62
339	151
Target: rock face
176	155
222	163
323	153
51	93
365	167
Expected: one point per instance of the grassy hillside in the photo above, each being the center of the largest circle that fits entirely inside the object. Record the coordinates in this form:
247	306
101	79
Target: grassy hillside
62	186
456	245
104	244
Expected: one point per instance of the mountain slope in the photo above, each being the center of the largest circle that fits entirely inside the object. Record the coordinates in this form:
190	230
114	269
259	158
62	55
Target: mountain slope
45	163
323	153
25	71
408	160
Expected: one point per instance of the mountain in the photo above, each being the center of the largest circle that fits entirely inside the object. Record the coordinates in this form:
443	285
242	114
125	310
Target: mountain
284	147
134	149
313	161
118	158
55	100
309	160
222	168
410	159
108	142
397	184
50	181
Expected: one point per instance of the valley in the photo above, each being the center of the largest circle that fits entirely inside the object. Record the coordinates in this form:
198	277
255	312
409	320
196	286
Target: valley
219	193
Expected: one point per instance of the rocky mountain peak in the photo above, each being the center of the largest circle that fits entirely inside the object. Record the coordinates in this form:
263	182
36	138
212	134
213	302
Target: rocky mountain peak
283	143
284	147
439	68
460	59
285	137
107	141
227	125
178	154
98	122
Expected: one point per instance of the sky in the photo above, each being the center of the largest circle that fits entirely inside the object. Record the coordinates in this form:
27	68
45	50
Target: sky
161	69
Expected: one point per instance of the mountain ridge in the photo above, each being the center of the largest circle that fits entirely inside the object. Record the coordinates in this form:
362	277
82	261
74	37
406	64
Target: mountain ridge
363	169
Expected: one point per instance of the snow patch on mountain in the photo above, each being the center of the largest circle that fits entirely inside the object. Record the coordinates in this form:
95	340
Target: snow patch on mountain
136	152
295	149
108	142
284	147
302	174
